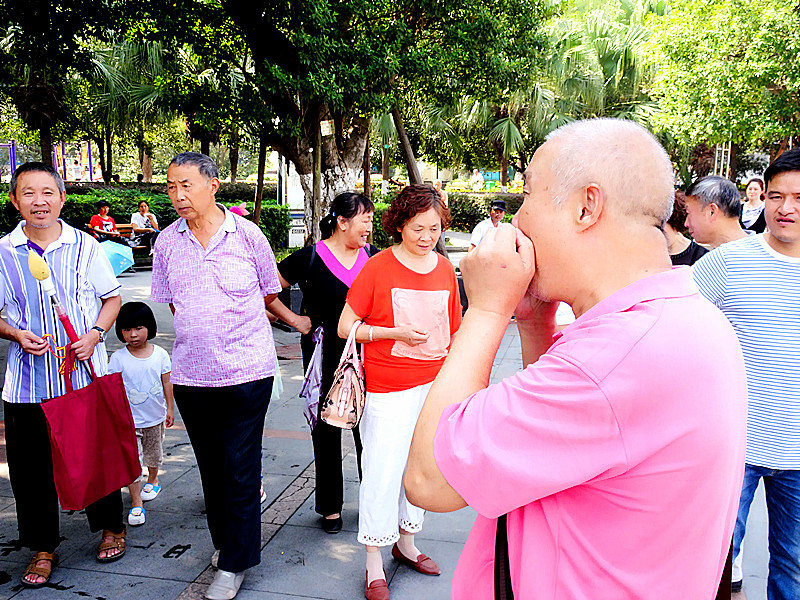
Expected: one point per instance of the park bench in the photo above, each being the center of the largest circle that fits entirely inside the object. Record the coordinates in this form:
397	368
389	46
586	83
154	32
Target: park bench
126	231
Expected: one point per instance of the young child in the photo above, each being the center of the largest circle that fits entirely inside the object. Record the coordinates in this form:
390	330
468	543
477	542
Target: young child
145	370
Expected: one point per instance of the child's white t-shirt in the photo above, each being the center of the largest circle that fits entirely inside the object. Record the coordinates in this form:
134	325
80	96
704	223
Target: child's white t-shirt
142	378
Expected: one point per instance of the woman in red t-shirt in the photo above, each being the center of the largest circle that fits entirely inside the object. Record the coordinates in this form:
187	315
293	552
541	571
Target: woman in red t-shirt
408	298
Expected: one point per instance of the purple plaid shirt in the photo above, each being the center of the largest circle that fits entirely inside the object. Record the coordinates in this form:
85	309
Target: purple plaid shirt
222	334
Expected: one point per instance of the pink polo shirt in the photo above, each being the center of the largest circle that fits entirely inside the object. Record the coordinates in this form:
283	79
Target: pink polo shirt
618	455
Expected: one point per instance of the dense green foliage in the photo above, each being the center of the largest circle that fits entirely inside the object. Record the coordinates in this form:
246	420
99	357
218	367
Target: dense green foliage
728	70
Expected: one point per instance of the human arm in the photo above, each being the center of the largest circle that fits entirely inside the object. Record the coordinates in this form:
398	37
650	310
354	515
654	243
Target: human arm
166	383
496	276
285	314
86	343
710	274
29	341
405	333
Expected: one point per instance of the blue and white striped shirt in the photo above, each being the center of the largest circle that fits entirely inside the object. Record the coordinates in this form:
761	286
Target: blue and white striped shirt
758	289
82	274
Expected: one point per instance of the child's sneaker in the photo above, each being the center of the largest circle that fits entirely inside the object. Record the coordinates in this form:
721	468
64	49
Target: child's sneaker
136	516
150	491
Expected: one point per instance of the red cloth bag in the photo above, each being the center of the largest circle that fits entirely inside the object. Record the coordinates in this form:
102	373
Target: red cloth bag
92	439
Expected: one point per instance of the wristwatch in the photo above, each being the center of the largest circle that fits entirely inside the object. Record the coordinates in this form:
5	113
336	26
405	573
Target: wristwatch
102	333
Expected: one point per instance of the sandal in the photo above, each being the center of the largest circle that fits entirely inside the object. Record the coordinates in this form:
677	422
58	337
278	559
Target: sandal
117	542
34	569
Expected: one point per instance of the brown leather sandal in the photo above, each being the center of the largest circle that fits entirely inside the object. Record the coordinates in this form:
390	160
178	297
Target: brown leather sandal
117	542
34	569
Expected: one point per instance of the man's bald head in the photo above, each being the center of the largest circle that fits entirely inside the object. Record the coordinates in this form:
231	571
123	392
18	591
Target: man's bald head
623	159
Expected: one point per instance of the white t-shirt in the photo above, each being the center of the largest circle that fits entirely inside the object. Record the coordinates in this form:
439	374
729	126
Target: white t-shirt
480	230
142	378
141	221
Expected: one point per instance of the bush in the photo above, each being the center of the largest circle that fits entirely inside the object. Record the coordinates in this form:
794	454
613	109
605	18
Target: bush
380	239
467	210
275	223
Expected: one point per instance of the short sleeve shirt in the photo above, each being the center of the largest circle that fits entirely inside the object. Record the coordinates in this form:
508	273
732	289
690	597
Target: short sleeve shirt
324	294
105	223
82	276
758	290
607	453
386	293
222	334
142	378
141	221
480	230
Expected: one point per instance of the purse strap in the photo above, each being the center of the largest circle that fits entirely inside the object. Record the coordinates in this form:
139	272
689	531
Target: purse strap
502	572
351	346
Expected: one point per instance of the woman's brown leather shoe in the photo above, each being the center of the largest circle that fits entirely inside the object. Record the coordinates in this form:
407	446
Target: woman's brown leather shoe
377	590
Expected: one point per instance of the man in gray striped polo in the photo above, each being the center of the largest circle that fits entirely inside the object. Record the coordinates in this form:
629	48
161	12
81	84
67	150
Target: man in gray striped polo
755	281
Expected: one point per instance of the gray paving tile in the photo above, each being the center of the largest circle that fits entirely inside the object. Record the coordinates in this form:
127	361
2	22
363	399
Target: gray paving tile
407	584
286	456
310	562
73	583
73	528
171	545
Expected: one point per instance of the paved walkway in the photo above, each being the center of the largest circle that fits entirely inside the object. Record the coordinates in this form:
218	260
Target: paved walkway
168	557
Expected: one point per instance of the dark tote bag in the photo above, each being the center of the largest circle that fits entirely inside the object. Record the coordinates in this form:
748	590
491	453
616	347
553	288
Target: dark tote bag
92	439
502	572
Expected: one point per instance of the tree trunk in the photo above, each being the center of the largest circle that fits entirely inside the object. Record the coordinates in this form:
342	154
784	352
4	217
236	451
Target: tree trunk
46	143
101	144
504	174
367	168
262	164
147	165
733	165
385	170
109	163
233	154
205	145
314	233
405	146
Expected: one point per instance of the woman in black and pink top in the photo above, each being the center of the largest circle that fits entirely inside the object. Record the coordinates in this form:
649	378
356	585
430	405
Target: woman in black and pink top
324	273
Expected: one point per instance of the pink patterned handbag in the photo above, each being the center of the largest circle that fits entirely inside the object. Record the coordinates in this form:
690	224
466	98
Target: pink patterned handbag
344	403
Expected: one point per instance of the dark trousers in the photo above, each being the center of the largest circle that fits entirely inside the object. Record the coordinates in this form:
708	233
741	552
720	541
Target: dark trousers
225	426
327	441
30	468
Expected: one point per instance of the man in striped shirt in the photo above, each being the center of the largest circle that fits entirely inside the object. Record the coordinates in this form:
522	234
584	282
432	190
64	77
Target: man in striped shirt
82	276
756	282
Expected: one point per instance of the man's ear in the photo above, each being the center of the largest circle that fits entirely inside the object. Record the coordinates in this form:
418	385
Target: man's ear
214	183
13	199
713	211
590	206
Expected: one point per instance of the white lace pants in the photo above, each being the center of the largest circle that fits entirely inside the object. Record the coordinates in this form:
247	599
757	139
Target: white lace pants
386	429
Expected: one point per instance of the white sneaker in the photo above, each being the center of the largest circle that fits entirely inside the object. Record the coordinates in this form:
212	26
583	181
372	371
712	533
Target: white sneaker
215	559
136	516
150	491
225	585
263	495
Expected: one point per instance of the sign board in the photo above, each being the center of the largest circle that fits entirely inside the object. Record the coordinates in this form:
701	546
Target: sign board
326	127
297	231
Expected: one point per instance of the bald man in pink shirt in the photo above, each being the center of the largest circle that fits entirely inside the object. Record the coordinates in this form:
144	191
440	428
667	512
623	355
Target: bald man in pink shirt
617	453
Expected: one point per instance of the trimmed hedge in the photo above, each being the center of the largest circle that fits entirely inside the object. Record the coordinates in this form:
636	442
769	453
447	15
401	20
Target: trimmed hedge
468	210
79	208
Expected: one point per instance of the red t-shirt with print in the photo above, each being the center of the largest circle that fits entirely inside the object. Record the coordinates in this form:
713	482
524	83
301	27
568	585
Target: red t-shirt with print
386	293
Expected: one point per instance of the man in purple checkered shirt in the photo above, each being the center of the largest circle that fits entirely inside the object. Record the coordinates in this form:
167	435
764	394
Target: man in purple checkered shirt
216	270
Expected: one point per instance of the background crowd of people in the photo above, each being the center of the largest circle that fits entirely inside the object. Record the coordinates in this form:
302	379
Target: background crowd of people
593	447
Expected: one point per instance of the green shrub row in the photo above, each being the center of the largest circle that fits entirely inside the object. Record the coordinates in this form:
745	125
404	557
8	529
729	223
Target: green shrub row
79	208
467	210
